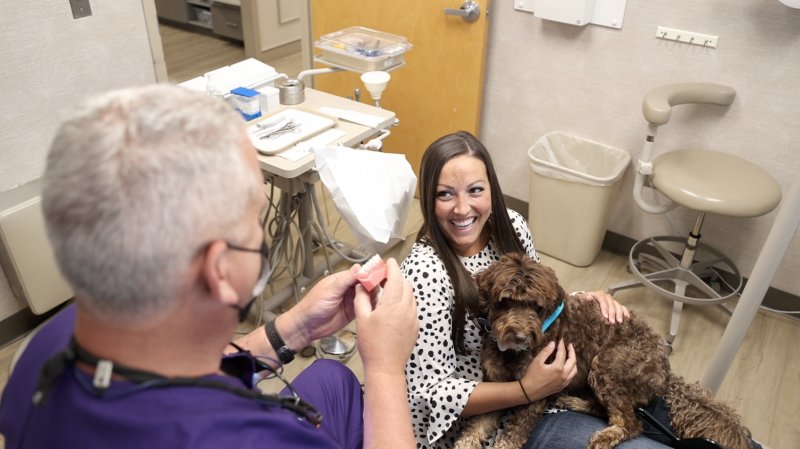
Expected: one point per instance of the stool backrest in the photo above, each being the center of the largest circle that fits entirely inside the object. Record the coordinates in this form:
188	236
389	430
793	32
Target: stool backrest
657	108
658	103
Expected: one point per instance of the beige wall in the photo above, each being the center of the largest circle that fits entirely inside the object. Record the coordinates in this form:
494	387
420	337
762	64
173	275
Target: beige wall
50	61
546	76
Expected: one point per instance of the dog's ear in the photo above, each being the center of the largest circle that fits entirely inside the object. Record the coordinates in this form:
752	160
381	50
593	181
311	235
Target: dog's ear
562	295
483	281
546	282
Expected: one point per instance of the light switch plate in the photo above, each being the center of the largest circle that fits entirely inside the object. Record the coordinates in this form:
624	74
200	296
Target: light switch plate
80	8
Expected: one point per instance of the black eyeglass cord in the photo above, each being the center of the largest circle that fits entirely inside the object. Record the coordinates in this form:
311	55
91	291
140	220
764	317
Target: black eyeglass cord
104	369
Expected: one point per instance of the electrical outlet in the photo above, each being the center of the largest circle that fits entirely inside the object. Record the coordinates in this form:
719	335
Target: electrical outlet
80	8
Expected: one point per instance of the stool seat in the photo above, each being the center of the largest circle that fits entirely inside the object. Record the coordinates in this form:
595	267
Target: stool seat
715	182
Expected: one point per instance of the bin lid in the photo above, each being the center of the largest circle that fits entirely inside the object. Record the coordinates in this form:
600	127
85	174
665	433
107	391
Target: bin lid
572	158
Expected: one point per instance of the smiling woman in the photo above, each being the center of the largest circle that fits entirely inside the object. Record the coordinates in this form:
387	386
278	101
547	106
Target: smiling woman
464	204
466	226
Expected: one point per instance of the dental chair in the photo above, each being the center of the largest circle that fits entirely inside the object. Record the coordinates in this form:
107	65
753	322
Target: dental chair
682	269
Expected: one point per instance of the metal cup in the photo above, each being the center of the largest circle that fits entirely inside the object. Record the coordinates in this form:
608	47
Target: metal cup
291	92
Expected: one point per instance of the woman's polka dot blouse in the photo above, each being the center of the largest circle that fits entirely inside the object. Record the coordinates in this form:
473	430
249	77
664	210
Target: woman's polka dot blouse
440	381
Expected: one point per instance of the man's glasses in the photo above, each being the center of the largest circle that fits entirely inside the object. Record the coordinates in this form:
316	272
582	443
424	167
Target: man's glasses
266	269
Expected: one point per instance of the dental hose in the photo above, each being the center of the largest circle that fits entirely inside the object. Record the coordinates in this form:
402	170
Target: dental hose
326	239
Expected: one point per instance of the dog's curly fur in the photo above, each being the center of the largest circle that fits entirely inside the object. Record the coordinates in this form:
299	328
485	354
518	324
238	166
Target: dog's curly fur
620	366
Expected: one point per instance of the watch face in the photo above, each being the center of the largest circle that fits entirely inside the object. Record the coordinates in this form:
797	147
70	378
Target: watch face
285	354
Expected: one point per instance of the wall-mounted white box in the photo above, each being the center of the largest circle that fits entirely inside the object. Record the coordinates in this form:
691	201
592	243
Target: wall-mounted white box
575	12
608	13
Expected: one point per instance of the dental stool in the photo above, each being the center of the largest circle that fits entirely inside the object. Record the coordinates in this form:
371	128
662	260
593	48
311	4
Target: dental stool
684	270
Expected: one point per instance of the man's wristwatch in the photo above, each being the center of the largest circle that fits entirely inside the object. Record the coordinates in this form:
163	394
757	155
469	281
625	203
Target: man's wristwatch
285	354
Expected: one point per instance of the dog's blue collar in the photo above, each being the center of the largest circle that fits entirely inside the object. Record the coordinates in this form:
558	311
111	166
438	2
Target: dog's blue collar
552	317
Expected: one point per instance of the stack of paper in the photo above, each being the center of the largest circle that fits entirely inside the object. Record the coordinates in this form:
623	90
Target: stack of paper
248	73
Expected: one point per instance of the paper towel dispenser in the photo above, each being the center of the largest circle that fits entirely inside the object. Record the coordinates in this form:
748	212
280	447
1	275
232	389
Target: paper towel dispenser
575	12
580	12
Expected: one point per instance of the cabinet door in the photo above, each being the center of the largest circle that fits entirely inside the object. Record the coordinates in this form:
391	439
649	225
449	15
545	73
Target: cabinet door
174	10
227	20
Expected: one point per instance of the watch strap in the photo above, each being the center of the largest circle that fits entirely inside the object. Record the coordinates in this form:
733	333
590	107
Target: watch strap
285	354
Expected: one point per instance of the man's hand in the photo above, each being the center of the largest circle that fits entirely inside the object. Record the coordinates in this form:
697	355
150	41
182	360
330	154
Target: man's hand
388	331
325	309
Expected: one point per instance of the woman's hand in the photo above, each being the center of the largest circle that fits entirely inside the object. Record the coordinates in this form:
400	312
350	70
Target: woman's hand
613	311
542	379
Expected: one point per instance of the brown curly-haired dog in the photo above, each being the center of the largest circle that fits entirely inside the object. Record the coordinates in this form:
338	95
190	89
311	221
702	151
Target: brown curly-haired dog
623	365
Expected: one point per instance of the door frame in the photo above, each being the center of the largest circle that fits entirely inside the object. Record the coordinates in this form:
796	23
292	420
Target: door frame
154	36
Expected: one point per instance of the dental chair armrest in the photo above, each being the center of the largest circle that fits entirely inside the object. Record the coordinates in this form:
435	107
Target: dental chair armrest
657	104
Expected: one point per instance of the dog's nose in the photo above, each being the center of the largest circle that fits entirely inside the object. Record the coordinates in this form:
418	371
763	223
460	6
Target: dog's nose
521	339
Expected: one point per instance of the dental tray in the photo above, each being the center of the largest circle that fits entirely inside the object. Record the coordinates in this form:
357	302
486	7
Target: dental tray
363	49
287	127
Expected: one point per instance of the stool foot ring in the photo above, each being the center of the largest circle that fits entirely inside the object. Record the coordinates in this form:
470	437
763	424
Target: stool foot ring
646	253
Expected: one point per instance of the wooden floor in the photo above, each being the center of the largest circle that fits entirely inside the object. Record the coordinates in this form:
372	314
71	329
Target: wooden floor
189	54
763	384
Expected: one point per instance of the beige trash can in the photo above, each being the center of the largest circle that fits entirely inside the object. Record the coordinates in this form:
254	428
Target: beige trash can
573	185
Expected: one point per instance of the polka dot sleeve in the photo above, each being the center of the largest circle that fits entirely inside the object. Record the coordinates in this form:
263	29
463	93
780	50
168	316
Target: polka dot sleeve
438	383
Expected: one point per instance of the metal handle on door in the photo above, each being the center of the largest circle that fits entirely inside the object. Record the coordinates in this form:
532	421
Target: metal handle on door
470	11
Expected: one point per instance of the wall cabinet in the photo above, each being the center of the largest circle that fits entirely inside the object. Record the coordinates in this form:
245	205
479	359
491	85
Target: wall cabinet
222	17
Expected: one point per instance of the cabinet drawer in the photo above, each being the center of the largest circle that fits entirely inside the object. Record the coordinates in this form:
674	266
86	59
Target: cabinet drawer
174	10
227	20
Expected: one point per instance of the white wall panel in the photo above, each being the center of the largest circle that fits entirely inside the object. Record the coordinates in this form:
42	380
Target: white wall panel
589	81
51	61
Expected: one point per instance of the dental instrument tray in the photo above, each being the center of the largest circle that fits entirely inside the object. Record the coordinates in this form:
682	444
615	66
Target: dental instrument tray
280	131
363	49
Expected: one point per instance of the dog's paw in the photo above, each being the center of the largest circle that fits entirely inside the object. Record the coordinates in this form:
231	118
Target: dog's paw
505	442
607	438
468	443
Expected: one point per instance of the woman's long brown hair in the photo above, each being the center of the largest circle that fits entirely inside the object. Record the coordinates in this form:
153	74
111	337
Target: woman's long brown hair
500	228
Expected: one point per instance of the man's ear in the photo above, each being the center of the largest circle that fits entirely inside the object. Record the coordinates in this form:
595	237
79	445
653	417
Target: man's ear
215	271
